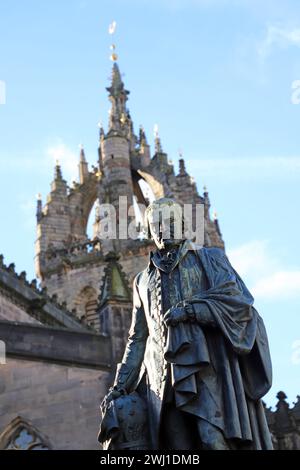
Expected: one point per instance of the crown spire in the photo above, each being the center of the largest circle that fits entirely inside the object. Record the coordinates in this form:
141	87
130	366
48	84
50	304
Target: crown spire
118	115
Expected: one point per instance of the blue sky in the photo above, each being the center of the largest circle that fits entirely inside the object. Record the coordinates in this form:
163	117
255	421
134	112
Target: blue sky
216	76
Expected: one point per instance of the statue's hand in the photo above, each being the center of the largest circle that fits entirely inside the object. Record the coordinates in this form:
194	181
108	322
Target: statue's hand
112	394
175	315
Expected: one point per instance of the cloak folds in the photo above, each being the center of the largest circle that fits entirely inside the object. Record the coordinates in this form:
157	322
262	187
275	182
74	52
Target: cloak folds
220	365
220	373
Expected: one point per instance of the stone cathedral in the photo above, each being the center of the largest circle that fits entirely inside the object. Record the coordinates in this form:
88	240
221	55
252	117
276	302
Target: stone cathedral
63	336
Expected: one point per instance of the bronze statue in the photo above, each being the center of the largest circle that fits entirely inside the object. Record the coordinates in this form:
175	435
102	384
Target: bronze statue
197	352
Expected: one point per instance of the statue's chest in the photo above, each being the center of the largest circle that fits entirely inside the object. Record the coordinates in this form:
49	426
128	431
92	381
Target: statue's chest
165	290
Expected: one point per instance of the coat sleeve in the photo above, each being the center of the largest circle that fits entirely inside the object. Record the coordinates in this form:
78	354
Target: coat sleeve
128	370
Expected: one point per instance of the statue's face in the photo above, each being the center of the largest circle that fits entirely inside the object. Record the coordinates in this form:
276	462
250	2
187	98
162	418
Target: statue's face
165	227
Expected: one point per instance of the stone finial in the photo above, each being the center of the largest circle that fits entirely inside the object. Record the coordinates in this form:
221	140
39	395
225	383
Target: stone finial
57	172
101	131
157	141
82	154
11	268
39	208
182	170
206	196
142	136
281	396
83	166
22	276
33	284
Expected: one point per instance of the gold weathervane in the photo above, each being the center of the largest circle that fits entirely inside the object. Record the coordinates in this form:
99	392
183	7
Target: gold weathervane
112	30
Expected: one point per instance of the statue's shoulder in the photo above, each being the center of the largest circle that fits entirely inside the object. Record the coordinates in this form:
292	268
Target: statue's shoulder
211	252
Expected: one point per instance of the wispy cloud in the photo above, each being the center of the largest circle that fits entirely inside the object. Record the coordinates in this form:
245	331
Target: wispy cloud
279	285
263	271
278	37
251	258
44	164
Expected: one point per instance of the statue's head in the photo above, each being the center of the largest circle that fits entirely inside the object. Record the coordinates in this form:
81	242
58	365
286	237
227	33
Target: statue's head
165	223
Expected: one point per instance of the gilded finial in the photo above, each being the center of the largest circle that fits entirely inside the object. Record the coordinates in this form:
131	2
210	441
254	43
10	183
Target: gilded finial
112	30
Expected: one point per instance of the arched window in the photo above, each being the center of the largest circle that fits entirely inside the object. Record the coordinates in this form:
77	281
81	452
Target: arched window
86	305
22	435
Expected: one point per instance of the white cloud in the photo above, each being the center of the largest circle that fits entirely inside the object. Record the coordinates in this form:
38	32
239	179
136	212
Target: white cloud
278	36
279	285
252	258
263	271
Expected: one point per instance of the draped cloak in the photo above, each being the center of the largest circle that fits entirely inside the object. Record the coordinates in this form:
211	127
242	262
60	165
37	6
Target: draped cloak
219	369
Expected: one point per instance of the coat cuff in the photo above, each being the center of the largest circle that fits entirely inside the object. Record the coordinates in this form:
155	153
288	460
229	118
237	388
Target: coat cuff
203	314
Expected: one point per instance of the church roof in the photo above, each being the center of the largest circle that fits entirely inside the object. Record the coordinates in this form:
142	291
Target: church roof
114	286
35	301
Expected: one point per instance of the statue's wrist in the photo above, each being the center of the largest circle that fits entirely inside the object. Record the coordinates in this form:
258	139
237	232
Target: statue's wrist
119	389
190	312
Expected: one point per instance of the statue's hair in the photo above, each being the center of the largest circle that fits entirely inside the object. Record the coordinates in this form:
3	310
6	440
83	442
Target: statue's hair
157	204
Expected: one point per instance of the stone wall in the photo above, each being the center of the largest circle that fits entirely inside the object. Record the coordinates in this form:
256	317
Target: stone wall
55	379
62	402
11	312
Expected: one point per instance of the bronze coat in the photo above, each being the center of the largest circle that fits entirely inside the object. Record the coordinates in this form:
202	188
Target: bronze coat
219	368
